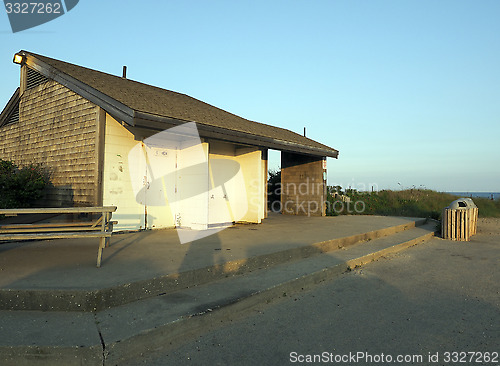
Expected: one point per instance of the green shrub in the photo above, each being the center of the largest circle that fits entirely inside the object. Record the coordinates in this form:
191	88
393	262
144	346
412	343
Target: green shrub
274	189
21	187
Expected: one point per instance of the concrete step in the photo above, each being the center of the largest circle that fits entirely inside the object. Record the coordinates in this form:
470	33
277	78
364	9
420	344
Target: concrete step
126	331
68	299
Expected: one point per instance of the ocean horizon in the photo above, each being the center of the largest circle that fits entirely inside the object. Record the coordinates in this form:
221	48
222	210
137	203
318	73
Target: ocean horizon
489	195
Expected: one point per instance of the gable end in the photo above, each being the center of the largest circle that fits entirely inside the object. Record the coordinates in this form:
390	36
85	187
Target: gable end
10	113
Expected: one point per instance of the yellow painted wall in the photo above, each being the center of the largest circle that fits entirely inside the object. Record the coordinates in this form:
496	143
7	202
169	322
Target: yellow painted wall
244	190
117	186
251	166
124	182
181	194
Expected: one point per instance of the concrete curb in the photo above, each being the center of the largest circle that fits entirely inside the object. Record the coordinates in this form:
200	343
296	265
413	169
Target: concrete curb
391	250
97	300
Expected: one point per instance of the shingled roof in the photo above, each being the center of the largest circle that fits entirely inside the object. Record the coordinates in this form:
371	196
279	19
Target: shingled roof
143	105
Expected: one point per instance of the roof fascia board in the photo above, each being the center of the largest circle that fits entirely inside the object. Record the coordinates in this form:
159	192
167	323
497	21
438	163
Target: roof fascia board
161	123
110	105
9	107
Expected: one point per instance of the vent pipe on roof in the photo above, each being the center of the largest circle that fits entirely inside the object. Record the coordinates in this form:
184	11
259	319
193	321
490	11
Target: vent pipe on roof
304	132
124	75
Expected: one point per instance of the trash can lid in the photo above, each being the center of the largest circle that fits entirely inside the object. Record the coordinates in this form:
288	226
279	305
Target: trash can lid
462	203
470	201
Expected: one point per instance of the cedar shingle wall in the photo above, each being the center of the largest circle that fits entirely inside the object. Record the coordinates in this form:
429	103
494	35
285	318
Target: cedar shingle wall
56	128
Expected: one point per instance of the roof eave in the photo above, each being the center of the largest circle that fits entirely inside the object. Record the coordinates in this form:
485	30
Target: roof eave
110	105
160	123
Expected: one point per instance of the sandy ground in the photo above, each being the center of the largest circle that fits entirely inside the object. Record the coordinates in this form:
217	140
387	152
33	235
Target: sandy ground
488	226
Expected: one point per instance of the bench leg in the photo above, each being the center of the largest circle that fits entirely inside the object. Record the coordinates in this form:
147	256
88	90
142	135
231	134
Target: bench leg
102	244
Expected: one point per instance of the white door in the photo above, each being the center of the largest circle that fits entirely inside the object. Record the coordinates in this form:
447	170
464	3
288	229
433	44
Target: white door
160	186
192	186
222	171
169	176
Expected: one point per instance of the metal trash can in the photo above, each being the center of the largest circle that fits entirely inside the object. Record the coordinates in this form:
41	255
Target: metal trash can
459	221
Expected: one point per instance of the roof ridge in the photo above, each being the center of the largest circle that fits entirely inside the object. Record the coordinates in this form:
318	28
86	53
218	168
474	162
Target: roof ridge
104	73
147	85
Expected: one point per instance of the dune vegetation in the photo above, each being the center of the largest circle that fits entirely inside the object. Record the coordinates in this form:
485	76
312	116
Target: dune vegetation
408	202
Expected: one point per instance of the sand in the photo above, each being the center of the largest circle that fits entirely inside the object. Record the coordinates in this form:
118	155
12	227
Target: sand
488	226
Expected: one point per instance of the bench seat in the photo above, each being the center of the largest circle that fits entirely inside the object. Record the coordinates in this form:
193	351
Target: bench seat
102	228
54	235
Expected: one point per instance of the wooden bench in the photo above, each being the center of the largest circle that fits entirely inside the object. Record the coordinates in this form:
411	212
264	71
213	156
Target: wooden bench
101	228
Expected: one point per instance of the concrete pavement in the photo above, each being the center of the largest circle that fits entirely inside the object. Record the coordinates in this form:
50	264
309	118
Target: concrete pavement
148	254
440	296
110	335
61	274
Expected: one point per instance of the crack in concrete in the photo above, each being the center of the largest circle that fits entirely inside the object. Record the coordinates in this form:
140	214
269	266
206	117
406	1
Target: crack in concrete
103	344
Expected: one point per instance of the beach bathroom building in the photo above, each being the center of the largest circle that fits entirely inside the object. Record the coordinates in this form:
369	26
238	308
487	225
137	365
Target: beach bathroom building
163	158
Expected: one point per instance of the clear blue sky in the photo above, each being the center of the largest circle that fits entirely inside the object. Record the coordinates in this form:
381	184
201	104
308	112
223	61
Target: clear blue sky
407	91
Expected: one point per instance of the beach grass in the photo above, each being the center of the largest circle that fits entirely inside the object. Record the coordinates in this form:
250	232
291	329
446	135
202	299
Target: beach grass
408	202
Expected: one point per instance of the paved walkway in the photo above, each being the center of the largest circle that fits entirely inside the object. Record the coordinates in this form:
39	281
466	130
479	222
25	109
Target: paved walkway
436	297
70	263
104	327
